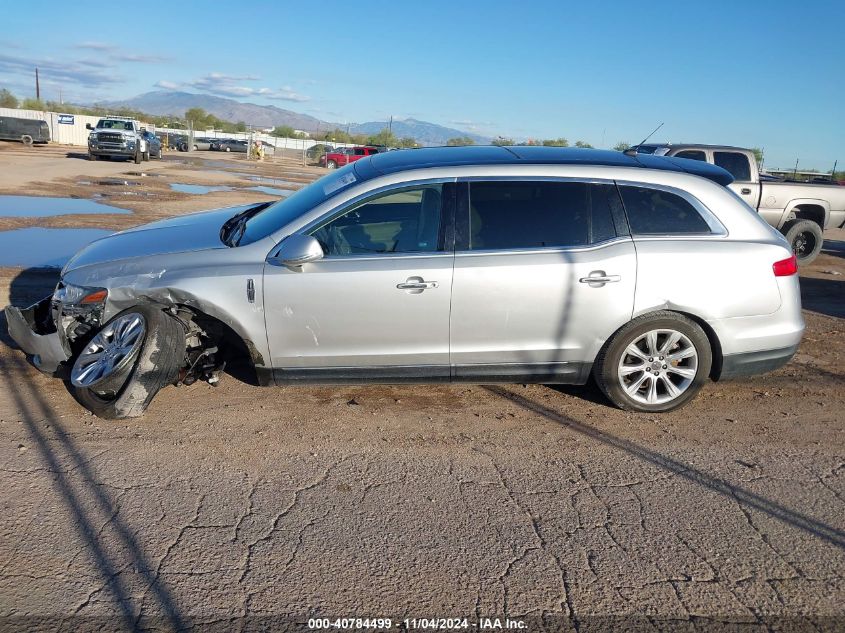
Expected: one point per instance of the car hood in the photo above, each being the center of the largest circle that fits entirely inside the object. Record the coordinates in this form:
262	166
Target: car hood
186	233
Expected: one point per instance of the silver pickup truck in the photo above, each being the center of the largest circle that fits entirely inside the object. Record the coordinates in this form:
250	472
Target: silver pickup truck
801	211
117	136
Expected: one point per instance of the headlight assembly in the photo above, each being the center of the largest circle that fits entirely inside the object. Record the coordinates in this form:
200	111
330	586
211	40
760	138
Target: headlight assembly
70	295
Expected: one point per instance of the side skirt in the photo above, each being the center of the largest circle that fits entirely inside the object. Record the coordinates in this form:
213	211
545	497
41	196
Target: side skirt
544	373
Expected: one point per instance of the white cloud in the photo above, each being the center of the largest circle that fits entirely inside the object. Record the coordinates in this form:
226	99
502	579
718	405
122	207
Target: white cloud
232	86
96	46
139	59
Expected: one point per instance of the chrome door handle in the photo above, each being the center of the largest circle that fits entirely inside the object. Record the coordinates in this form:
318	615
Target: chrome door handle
599	277
745	191
416	284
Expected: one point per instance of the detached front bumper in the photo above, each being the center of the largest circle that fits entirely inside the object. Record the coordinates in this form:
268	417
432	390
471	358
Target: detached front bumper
30	329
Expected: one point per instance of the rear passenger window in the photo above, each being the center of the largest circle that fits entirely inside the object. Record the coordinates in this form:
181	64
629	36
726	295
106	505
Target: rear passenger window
734	162
657	212
505	215
692	154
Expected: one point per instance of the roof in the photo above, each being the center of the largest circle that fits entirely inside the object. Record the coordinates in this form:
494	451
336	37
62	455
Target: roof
692	146
478	155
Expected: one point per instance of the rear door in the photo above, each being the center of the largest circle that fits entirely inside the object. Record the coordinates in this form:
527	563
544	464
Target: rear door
544	273
739	166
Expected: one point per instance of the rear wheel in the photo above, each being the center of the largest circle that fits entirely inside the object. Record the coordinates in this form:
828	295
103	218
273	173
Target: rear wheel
805	237
657	362
121	369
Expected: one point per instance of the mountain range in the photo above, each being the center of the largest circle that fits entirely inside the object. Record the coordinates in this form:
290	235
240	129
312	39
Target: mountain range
163	102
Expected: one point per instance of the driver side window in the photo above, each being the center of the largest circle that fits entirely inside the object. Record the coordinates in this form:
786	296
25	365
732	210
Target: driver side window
397	221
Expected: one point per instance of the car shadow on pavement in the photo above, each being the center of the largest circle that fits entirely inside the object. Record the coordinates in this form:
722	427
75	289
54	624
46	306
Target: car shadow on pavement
742	496
80	490
836	248
823	296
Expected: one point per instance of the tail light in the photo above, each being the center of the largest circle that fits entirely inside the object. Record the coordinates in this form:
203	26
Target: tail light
786	267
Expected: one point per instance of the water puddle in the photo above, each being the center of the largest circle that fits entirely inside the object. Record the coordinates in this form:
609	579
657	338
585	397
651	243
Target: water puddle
110	182
38	247
271	191
198	189
42	207
270	180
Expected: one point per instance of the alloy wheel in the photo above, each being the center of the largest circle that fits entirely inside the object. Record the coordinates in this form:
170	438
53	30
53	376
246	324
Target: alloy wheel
109	351
658	366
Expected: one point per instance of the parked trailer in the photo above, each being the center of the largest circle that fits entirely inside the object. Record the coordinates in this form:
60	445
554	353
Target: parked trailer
27	131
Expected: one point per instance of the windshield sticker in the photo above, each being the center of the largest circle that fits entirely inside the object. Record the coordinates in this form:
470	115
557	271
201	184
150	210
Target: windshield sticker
338	183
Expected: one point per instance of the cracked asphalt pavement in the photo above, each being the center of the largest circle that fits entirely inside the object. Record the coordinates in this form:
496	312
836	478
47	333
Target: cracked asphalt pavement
238	508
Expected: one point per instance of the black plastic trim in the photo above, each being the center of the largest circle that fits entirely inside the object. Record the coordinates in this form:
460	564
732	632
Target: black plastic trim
753	363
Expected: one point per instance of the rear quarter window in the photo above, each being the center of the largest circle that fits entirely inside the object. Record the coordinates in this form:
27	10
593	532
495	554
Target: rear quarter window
735	163
657	212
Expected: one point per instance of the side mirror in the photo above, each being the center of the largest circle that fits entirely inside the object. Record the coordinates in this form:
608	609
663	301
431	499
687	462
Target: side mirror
296	250
88	126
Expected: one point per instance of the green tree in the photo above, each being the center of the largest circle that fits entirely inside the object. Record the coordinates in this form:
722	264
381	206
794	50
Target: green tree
460	141
556	142
621	146
407	141
283	131
32	104
758	155
583	144
240	126
7	99
501	140
385	137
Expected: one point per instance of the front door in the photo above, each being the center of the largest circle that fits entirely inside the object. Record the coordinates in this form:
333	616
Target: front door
544	275
376	307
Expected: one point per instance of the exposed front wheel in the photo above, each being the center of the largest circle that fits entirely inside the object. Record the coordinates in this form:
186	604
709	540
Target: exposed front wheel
121	369
137	157
26	139
657	362
92	156
331	165
805	237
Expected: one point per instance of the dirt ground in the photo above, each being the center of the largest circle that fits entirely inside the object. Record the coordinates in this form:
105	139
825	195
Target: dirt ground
241	508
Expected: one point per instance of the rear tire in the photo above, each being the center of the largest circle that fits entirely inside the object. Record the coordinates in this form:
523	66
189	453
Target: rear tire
805	238
657	362
156	364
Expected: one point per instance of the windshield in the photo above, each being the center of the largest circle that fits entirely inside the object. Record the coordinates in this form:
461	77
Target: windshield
108	124
288	209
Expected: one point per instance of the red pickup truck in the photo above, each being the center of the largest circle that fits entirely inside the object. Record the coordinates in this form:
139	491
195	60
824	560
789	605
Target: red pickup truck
345	155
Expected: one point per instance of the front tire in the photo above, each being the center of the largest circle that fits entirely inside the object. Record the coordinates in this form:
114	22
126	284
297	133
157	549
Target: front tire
137	157
655	363
136	354
331	165
92	156
805	238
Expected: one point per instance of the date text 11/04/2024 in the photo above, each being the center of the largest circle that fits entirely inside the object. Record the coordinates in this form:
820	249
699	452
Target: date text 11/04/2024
415	623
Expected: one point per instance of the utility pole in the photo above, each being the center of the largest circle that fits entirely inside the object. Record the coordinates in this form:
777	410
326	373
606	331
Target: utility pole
795	171
390	126
37	86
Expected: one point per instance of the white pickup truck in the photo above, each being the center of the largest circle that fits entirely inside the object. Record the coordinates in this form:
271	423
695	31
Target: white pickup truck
801	211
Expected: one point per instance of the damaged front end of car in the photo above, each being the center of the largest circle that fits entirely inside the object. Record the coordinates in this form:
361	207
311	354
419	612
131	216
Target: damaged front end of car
50	330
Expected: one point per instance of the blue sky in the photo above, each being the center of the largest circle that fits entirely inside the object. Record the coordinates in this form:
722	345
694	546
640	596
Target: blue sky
765	74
